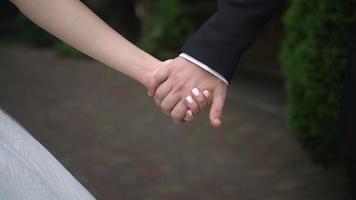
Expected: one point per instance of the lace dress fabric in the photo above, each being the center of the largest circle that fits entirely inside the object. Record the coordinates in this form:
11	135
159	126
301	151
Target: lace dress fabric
29	172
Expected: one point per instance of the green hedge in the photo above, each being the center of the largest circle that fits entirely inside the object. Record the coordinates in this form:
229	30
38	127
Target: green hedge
16	28
314	56
162	30
171	23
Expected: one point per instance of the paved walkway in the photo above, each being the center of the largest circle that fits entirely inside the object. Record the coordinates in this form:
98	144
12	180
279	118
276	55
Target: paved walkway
105	130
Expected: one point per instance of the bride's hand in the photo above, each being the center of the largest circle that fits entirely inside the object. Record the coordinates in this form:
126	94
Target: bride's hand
188	106
173	84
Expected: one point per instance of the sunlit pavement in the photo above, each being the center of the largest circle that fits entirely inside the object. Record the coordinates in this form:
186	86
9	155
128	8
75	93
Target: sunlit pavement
113	139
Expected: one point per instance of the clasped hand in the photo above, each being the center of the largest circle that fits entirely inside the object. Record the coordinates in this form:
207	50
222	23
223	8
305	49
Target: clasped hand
182	89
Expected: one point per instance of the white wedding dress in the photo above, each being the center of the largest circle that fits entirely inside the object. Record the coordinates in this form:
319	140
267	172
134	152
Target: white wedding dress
29	172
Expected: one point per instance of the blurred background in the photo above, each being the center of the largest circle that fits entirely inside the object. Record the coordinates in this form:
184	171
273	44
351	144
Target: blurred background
280	138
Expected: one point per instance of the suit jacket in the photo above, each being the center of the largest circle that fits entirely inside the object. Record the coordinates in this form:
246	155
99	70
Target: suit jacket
220	42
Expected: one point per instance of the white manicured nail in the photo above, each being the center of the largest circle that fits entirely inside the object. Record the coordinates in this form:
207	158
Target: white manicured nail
206	93
190	99
196	92
190	113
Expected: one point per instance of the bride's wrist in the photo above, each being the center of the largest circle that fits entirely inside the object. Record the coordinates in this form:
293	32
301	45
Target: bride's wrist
148	72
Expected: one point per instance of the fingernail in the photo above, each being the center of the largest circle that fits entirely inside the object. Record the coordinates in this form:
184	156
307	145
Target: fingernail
206	93
217	123
190	99
196	92
190	113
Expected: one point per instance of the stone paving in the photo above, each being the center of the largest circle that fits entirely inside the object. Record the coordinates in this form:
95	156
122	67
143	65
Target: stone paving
111	137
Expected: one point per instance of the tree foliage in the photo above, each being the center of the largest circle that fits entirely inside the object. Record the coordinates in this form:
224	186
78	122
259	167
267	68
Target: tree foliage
171	22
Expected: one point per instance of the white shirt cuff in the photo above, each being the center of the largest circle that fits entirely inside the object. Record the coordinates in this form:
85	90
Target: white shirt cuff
205	67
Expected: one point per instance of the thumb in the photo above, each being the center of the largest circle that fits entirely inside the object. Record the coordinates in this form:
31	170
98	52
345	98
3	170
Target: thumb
167	62
158	78
217	106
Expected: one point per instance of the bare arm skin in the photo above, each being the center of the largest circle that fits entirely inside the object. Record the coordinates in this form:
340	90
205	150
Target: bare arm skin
72	22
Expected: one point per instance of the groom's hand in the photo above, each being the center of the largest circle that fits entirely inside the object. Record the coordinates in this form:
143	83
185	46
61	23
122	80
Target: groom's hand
171	85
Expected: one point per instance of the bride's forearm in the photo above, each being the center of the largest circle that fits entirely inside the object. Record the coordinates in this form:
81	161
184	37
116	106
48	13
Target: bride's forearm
72	22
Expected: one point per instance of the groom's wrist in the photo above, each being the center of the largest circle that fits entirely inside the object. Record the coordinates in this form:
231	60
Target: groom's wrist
204	66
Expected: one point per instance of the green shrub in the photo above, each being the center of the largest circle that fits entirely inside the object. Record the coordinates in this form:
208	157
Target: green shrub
314	57
29	33
63	49
16	28
8	13
171	23
119	14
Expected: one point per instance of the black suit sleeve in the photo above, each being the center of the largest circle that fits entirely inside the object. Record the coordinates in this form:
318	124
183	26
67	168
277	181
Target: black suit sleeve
220	42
